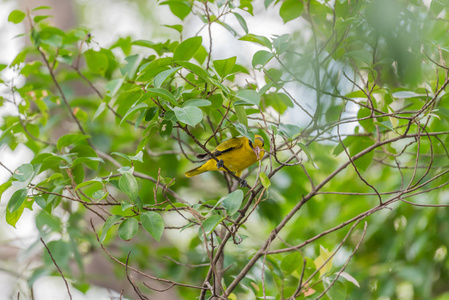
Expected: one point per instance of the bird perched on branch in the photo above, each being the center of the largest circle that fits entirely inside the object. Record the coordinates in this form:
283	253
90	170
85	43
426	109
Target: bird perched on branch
236	154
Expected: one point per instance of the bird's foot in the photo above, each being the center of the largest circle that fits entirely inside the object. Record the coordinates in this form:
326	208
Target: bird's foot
220	164
243	183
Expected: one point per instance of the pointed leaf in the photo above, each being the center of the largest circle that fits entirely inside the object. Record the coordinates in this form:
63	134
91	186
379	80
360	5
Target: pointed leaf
265	180
242	22
16	16
210	223
197	102
151	112
70	139
249	96
108	225
153	223
132	109
243	130
291	9
162	77
128	184
261	58
240	111
190	115
232	202
224	66
164	94
24	172
261	40
17	200
165	129
187	49
128	229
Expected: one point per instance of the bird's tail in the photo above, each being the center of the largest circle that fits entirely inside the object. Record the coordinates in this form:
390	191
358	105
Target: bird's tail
195	171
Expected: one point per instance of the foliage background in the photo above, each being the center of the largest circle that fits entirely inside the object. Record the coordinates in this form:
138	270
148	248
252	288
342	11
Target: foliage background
340	61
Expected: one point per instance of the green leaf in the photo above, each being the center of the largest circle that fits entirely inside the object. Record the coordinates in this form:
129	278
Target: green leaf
132	109
195	69
130	69
153	223
13	217
97	62
37	19
232	202
210	223
190	115
16	16
70	139
162	77
406	94
258	39
360	144
108	225
249	96
279	101
180	8
137	157
165	129
114	86
101	108
24	172
41	7
292	262
60	251
320	260
151	112
265	180
128	185
187	49
243	130
261	58
291	9
197	103
39	200
149	70
96	181
86	160
128	229
4	187
367	124
349	278
47	222
17	200
164	94
20	58
289	130
307	152
240	111
241	21
337	291
176	27
224	66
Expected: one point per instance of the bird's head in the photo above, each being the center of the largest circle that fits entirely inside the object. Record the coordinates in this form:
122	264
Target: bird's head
258	146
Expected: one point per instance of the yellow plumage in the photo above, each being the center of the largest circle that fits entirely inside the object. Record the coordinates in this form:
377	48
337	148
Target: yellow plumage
237	154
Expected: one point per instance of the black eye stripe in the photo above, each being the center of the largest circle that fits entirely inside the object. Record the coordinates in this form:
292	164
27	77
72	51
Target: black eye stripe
251	144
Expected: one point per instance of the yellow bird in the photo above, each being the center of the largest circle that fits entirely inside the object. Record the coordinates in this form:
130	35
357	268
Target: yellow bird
236	154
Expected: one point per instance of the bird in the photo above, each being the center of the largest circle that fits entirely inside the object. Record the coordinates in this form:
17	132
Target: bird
236	154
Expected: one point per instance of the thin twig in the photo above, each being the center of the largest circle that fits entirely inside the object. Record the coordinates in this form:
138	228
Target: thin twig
57	267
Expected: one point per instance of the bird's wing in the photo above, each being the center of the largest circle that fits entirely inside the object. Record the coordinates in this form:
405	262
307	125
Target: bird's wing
228	145
224	147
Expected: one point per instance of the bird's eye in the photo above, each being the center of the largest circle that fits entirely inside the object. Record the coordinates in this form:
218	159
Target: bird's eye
251	144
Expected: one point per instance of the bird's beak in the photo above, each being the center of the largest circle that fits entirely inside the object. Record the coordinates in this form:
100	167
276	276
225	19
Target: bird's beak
257	151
